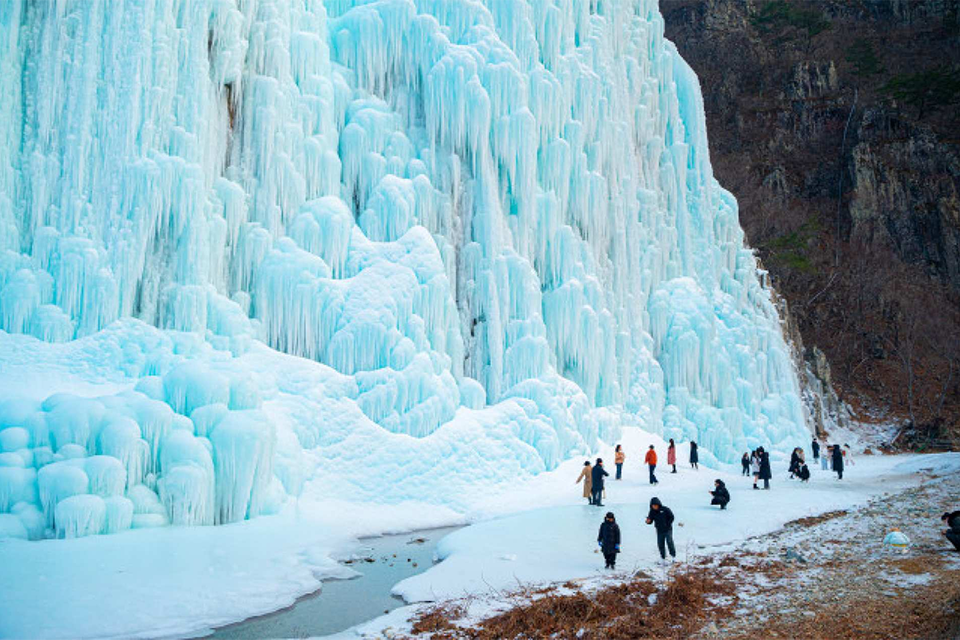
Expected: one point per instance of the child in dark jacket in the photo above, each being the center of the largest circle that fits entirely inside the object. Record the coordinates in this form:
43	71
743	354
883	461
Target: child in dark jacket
609	540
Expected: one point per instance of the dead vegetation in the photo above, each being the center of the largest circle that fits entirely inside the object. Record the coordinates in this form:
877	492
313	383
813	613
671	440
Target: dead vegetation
638	608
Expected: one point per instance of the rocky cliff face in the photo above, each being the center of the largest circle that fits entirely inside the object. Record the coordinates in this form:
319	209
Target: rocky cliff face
835	124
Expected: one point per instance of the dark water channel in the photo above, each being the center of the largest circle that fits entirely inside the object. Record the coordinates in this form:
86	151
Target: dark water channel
341	604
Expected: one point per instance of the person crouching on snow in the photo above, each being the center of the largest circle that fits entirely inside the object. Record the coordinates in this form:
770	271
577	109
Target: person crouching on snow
803	472
662	519
587	476
609	540
953	533
720	494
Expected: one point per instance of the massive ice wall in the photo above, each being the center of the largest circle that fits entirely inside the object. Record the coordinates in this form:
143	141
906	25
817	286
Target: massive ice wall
454	203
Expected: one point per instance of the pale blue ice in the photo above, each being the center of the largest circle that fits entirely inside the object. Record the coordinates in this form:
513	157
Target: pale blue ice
491	218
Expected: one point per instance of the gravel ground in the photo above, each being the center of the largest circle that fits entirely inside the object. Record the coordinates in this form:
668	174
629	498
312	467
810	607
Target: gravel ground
831	577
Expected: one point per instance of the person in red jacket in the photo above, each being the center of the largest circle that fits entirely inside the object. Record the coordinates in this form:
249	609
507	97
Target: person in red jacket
651	460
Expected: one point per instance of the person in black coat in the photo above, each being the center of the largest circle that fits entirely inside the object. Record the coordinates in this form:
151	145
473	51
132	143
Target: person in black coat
765	473
953	533
661	518
803	472
609	540
794	463
745	464
815	447
694	456
838	461
596	477
720	494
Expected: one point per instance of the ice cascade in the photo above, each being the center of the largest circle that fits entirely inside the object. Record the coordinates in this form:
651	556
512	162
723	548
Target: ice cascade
494	213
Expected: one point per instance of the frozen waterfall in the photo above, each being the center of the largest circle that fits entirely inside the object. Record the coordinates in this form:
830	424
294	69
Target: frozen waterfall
493	223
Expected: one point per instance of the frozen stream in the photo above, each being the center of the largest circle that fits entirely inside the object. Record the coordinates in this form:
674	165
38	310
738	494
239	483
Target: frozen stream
341	604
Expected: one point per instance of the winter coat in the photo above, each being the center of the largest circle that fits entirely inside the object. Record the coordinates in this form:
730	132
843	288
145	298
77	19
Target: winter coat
847	457
651	457
953	520
671	455
587	478
609	537
694	456
619	457
755	465
661	518
803	472
815	446
794	462
765	473
721	493
837	459
597	474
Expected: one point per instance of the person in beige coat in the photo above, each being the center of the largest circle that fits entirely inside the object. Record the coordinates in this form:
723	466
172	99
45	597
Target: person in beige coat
587	477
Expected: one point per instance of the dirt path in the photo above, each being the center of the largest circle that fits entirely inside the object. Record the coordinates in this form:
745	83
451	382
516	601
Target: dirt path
831	577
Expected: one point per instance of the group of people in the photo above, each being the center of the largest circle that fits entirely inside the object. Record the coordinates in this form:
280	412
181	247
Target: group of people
592	475
834	458
660	516
756	463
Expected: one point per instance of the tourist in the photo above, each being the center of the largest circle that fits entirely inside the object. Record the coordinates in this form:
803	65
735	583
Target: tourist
826	458
745	463
651	462
618	457
953	533
672	455
815	447
794	462
804	472
847	455
587	477
755	466
694	456
662	519
597	475
838	461
720	494
609	540
765	473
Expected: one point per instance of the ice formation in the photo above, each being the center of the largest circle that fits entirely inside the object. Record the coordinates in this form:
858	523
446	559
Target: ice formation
496	212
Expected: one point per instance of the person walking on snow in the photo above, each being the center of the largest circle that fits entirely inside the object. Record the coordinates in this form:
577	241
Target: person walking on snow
720	494
597	476
765	473
694	456
815	447
672	455
838	461
745	463
953	533
825	459
618	457
661	518
651	461
609	540
587	476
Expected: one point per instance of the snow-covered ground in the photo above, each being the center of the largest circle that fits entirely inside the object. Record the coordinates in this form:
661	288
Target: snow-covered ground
183	580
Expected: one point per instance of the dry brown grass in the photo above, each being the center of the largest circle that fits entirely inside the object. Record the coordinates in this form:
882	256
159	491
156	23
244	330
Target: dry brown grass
682	605
815	520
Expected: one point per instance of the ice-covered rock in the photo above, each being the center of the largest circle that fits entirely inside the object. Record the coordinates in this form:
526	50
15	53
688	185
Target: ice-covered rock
488	216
